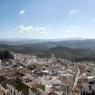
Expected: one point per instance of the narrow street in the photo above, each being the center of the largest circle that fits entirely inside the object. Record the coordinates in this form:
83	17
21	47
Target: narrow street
76	79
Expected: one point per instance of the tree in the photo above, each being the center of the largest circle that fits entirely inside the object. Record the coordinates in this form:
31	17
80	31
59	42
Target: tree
6	55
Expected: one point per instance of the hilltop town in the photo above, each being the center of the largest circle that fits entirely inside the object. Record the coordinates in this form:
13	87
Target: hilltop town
47	47
31	75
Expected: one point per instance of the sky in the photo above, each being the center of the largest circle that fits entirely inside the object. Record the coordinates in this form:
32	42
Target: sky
47	19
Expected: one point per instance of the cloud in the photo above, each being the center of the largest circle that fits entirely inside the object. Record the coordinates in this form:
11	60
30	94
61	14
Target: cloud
31	29
21	12
75	11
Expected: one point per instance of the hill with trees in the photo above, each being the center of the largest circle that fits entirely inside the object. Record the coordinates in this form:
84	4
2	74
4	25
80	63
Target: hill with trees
75	50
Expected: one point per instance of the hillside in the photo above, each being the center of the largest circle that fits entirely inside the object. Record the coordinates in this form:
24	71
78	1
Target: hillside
86	43
69	53
77	50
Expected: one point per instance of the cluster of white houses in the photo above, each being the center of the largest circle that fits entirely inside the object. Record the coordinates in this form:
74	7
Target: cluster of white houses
29	75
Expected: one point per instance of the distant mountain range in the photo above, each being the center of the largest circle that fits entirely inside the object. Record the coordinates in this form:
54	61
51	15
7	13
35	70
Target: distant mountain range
69	49
79	43
85	44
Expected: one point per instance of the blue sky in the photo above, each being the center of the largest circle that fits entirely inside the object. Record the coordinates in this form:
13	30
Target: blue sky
47	19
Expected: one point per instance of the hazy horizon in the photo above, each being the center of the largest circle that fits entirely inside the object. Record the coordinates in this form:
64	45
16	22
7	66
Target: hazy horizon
41	39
